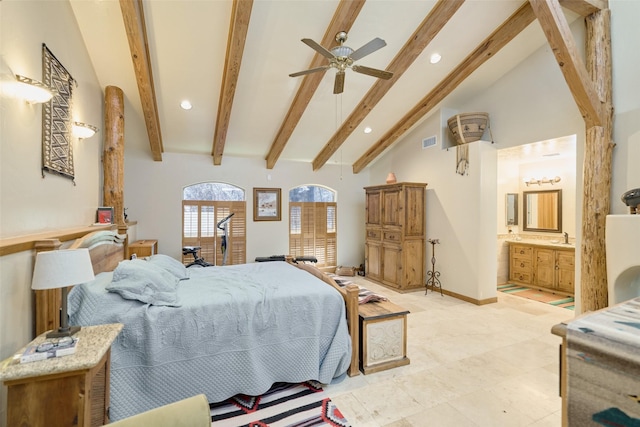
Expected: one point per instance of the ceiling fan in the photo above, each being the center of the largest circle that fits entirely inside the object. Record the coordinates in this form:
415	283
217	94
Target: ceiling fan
342	57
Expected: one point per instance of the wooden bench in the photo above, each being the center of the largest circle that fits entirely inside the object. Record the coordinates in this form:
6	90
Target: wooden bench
383	336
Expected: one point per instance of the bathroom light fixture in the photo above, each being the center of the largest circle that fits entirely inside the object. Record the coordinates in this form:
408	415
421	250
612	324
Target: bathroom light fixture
367	129
435	58
186	105
544	180
83	130
30	90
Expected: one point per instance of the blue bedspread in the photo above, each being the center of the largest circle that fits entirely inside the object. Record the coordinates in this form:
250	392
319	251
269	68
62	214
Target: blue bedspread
238	329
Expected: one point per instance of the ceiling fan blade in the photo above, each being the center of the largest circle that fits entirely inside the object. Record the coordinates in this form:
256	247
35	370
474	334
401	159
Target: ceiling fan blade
312	70
381	74
315	46
368	48
338	84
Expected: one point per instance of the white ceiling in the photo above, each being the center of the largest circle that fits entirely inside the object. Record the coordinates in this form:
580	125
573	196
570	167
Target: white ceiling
188	43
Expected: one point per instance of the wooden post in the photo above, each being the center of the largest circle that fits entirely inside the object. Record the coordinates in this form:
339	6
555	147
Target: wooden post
113	156
47	302
597	167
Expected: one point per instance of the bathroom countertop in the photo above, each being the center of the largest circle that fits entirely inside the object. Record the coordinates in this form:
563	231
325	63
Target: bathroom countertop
553	244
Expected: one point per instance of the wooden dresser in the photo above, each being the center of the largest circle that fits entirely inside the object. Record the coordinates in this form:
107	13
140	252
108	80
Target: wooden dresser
395	235
543	265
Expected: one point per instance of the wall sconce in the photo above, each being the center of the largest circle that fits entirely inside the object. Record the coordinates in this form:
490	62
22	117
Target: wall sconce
544	180
83	130
32	91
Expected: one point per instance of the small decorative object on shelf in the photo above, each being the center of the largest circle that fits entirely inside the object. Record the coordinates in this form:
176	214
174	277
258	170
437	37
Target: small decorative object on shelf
468	127
433	275
391	178
105	215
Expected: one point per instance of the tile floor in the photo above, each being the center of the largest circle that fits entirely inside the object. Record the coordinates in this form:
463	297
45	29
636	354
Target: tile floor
492	365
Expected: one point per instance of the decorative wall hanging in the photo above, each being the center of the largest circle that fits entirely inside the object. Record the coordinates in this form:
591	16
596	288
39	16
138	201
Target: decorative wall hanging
462	159
57	151
266	204
466	127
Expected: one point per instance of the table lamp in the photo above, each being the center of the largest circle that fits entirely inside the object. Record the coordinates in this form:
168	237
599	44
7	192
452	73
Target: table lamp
61	269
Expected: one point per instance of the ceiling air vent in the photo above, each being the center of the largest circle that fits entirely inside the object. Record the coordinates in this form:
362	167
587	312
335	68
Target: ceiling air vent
429	142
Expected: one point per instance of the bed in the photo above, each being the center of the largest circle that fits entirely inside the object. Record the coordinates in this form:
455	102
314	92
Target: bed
222	331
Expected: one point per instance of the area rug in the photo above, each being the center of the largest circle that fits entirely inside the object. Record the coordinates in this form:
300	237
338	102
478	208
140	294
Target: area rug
538	295
284	405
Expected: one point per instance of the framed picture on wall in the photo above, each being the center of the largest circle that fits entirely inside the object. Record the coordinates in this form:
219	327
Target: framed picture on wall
105	215
266	204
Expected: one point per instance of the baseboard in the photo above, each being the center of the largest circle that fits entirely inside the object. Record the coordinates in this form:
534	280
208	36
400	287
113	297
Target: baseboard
465	298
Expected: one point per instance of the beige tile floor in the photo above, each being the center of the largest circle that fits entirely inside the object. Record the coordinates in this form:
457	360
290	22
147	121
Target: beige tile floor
491	365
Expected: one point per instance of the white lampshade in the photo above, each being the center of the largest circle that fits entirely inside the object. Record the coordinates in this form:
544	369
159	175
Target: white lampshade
58	269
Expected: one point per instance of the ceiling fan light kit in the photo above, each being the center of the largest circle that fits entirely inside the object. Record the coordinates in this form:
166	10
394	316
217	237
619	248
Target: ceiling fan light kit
342	57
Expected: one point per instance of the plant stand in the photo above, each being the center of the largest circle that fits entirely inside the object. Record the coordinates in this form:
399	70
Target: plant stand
433	275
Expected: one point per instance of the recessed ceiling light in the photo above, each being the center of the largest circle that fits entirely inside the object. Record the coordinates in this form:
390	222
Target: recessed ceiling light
435	58
367	129
186	105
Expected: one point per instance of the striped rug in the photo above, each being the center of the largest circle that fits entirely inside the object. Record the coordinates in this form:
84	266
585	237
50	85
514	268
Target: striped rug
284	405
538	295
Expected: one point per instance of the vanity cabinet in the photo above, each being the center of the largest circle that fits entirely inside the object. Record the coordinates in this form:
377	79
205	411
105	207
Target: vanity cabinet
395	235
542	265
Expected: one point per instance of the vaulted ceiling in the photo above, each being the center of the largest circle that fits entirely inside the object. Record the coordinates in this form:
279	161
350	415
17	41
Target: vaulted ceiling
232	60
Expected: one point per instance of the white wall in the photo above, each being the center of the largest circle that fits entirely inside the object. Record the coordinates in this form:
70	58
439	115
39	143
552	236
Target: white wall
153	197
530	103
626	100
30	203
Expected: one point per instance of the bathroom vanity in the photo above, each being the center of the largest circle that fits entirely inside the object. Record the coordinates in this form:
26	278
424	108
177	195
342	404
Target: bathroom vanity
541	264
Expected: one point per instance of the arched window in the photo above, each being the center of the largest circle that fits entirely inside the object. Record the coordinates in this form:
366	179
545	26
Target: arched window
204	205
313	224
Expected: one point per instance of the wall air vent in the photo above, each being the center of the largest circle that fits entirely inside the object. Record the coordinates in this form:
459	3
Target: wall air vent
429	142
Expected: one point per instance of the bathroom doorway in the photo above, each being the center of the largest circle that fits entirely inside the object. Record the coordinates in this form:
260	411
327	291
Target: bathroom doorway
539	166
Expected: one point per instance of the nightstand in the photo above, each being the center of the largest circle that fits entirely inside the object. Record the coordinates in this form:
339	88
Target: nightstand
383	336
64	391
142	248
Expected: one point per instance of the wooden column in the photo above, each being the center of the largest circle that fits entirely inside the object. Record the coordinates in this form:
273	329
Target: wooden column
113	155
47	302
597	167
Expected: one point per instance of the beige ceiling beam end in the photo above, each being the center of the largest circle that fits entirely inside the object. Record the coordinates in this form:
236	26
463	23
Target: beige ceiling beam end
558	34
240	15
134	23
421	37
596	171
343	19
513	26
585	7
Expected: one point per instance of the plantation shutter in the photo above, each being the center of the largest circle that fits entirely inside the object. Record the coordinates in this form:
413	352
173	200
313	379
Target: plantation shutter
313	232
199	219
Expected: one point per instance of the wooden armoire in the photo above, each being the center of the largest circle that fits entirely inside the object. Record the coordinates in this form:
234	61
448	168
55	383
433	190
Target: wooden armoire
395	235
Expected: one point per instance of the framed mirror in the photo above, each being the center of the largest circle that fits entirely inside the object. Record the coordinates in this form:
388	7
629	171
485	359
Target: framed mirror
542	211
511	214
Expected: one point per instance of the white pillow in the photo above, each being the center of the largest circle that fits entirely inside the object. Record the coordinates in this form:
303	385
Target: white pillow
140	280
171	265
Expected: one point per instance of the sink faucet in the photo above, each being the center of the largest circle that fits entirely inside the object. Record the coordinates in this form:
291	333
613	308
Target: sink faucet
566	238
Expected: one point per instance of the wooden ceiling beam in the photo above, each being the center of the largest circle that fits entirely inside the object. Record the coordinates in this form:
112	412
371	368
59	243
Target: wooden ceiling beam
515	24
240	15
134	23
585	7
558	34
343	19
421	37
